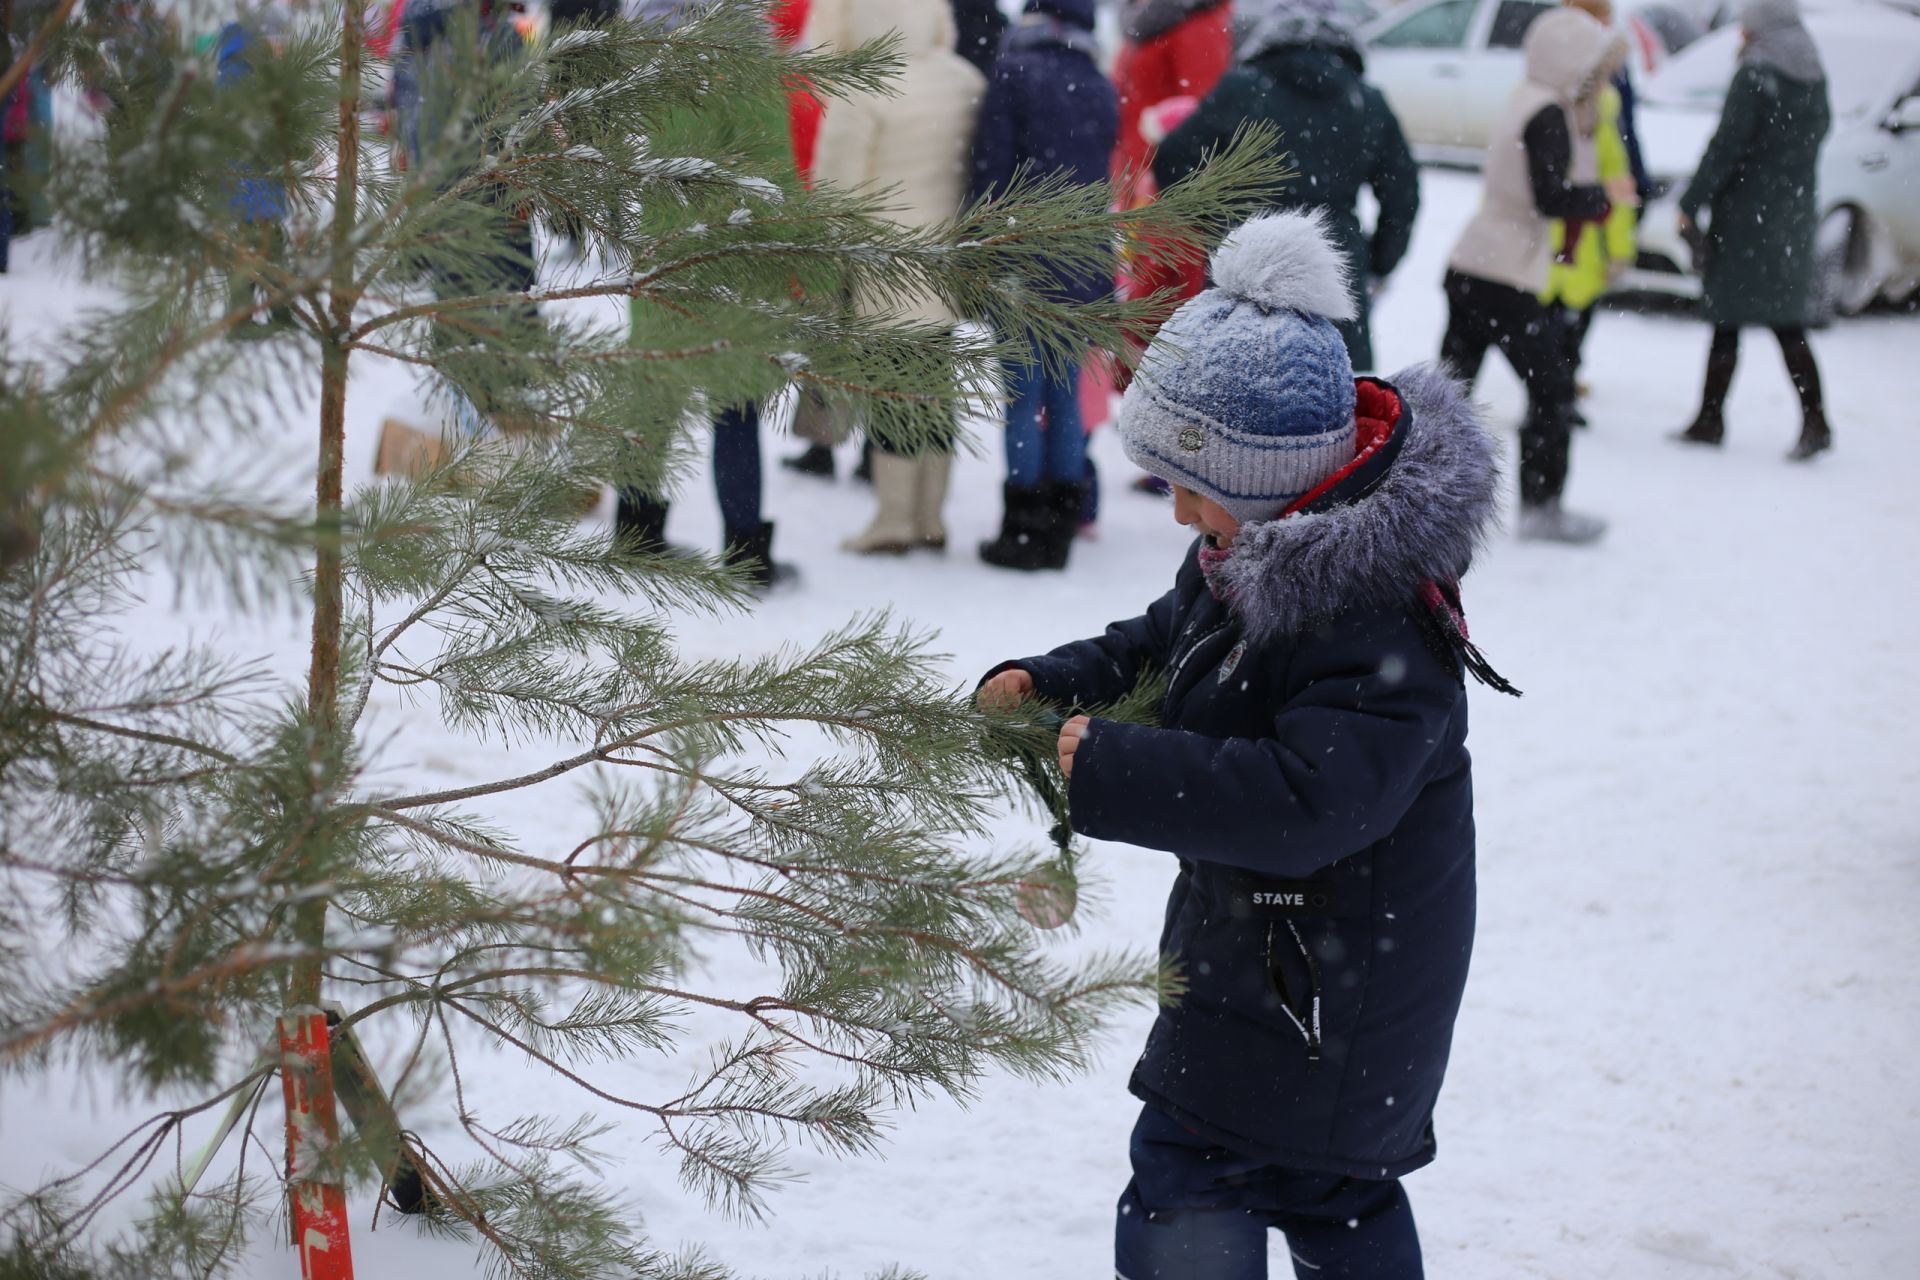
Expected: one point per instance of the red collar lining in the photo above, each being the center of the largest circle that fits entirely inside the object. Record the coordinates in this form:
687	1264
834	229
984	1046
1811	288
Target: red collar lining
1376	412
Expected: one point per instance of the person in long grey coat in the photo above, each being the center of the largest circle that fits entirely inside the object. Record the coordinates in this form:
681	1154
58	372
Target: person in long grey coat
1757	182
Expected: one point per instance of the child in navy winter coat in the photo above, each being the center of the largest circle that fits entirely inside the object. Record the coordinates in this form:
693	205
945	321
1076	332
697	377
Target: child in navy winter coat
1309	773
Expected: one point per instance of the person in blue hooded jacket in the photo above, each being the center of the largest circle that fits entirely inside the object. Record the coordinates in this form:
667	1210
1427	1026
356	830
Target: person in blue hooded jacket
258	203
1048	110
1309	772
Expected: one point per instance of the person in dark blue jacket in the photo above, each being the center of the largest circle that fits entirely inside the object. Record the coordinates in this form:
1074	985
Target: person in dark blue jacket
1301	70
979	27
259	203
1048	110
1309	771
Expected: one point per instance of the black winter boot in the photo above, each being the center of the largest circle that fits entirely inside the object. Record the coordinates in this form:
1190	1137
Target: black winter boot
815	460
1708	429
1816	437
1023	543
1066	511
1709	426
642	519
408	1192
752	550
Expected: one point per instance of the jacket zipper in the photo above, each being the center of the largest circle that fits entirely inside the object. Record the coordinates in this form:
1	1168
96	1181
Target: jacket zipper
1310	1028
1173	680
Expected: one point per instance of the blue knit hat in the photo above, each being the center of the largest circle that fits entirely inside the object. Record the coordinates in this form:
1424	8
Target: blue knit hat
1246	395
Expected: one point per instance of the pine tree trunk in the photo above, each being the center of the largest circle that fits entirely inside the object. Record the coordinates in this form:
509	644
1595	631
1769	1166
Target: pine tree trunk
329	603
319	1212
323	675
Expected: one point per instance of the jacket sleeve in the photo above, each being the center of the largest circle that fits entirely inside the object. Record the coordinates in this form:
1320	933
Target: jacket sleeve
994	142
1549	160
1618	234
1208	129
1088	673
1739	120
1347	757
1395	180
843	154
1630	135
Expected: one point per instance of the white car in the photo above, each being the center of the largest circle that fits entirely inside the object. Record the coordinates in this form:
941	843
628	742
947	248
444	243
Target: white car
1869	175
1447	67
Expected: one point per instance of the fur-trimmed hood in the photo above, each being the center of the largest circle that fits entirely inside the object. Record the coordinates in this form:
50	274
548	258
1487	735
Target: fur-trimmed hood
1375	537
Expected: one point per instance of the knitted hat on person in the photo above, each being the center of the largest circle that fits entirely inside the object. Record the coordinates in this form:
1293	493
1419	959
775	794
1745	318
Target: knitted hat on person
1079	12
1276	24
1246	395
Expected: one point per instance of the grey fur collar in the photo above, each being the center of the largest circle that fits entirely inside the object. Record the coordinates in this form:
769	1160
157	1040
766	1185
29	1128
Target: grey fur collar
1423	521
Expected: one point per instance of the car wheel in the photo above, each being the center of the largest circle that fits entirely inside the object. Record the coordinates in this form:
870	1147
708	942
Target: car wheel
1843	258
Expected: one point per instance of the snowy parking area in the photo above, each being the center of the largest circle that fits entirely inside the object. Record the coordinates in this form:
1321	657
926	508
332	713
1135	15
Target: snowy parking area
1691	1044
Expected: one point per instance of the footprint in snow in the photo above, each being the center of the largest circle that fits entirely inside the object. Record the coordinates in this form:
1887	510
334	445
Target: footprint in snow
1684	1246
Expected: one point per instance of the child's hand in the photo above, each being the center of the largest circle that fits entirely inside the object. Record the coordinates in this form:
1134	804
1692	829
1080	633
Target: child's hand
1005	691
1070	734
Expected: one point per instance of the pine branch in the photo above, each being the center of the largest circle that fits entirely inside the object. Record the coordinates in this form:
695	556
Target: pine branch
35	46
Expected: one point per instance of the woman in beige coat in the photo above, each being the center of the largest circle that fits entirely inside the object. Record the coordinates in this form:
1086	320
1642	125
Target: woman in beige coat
916	143
1541	165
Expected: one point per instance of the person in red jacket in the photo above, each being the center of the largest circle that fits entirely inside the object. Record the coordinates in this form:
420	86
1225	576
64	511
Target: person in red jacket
789	18
1173	49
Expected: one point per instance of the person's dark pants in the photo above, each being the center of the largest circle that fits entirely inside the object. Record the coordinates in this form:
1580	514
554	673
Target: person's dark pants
573	13
1194	1211
736	480
19	183
1055	449
563	16
510	271
1724	355
1482	314
267	238
1574	323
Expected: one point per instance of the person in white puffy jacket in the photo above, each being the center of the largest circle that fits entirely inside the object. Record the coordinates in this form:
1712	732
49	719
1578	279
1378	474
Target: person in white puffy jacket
915	142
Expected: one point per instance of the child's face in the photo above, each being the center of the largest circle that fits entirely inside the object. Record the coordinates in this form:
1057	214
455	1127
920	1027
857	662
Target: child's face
1204	516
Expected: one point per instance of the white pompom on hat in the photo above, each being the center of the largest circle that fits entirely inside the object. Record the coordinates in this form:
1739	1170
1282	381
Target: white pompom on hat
1286	260
1246	396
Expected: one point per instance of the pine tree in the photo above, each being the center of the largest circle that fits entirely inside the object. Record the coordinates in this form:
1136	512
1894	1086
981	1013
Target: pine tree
193	848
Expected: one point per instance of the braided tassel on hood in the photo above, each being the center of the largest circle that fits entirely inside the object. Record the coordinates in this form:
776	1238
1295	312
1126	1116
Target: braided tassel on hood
1449	622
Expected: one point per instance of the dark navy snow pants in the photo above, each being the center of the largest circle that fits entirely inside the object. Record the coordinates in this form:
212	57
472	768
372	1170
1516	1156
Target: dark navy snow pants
1199	1212
737	477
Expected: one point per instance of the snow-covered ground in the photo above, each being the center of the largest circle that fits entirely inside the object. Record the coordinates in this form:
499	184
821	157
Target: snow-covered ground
1689	1046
